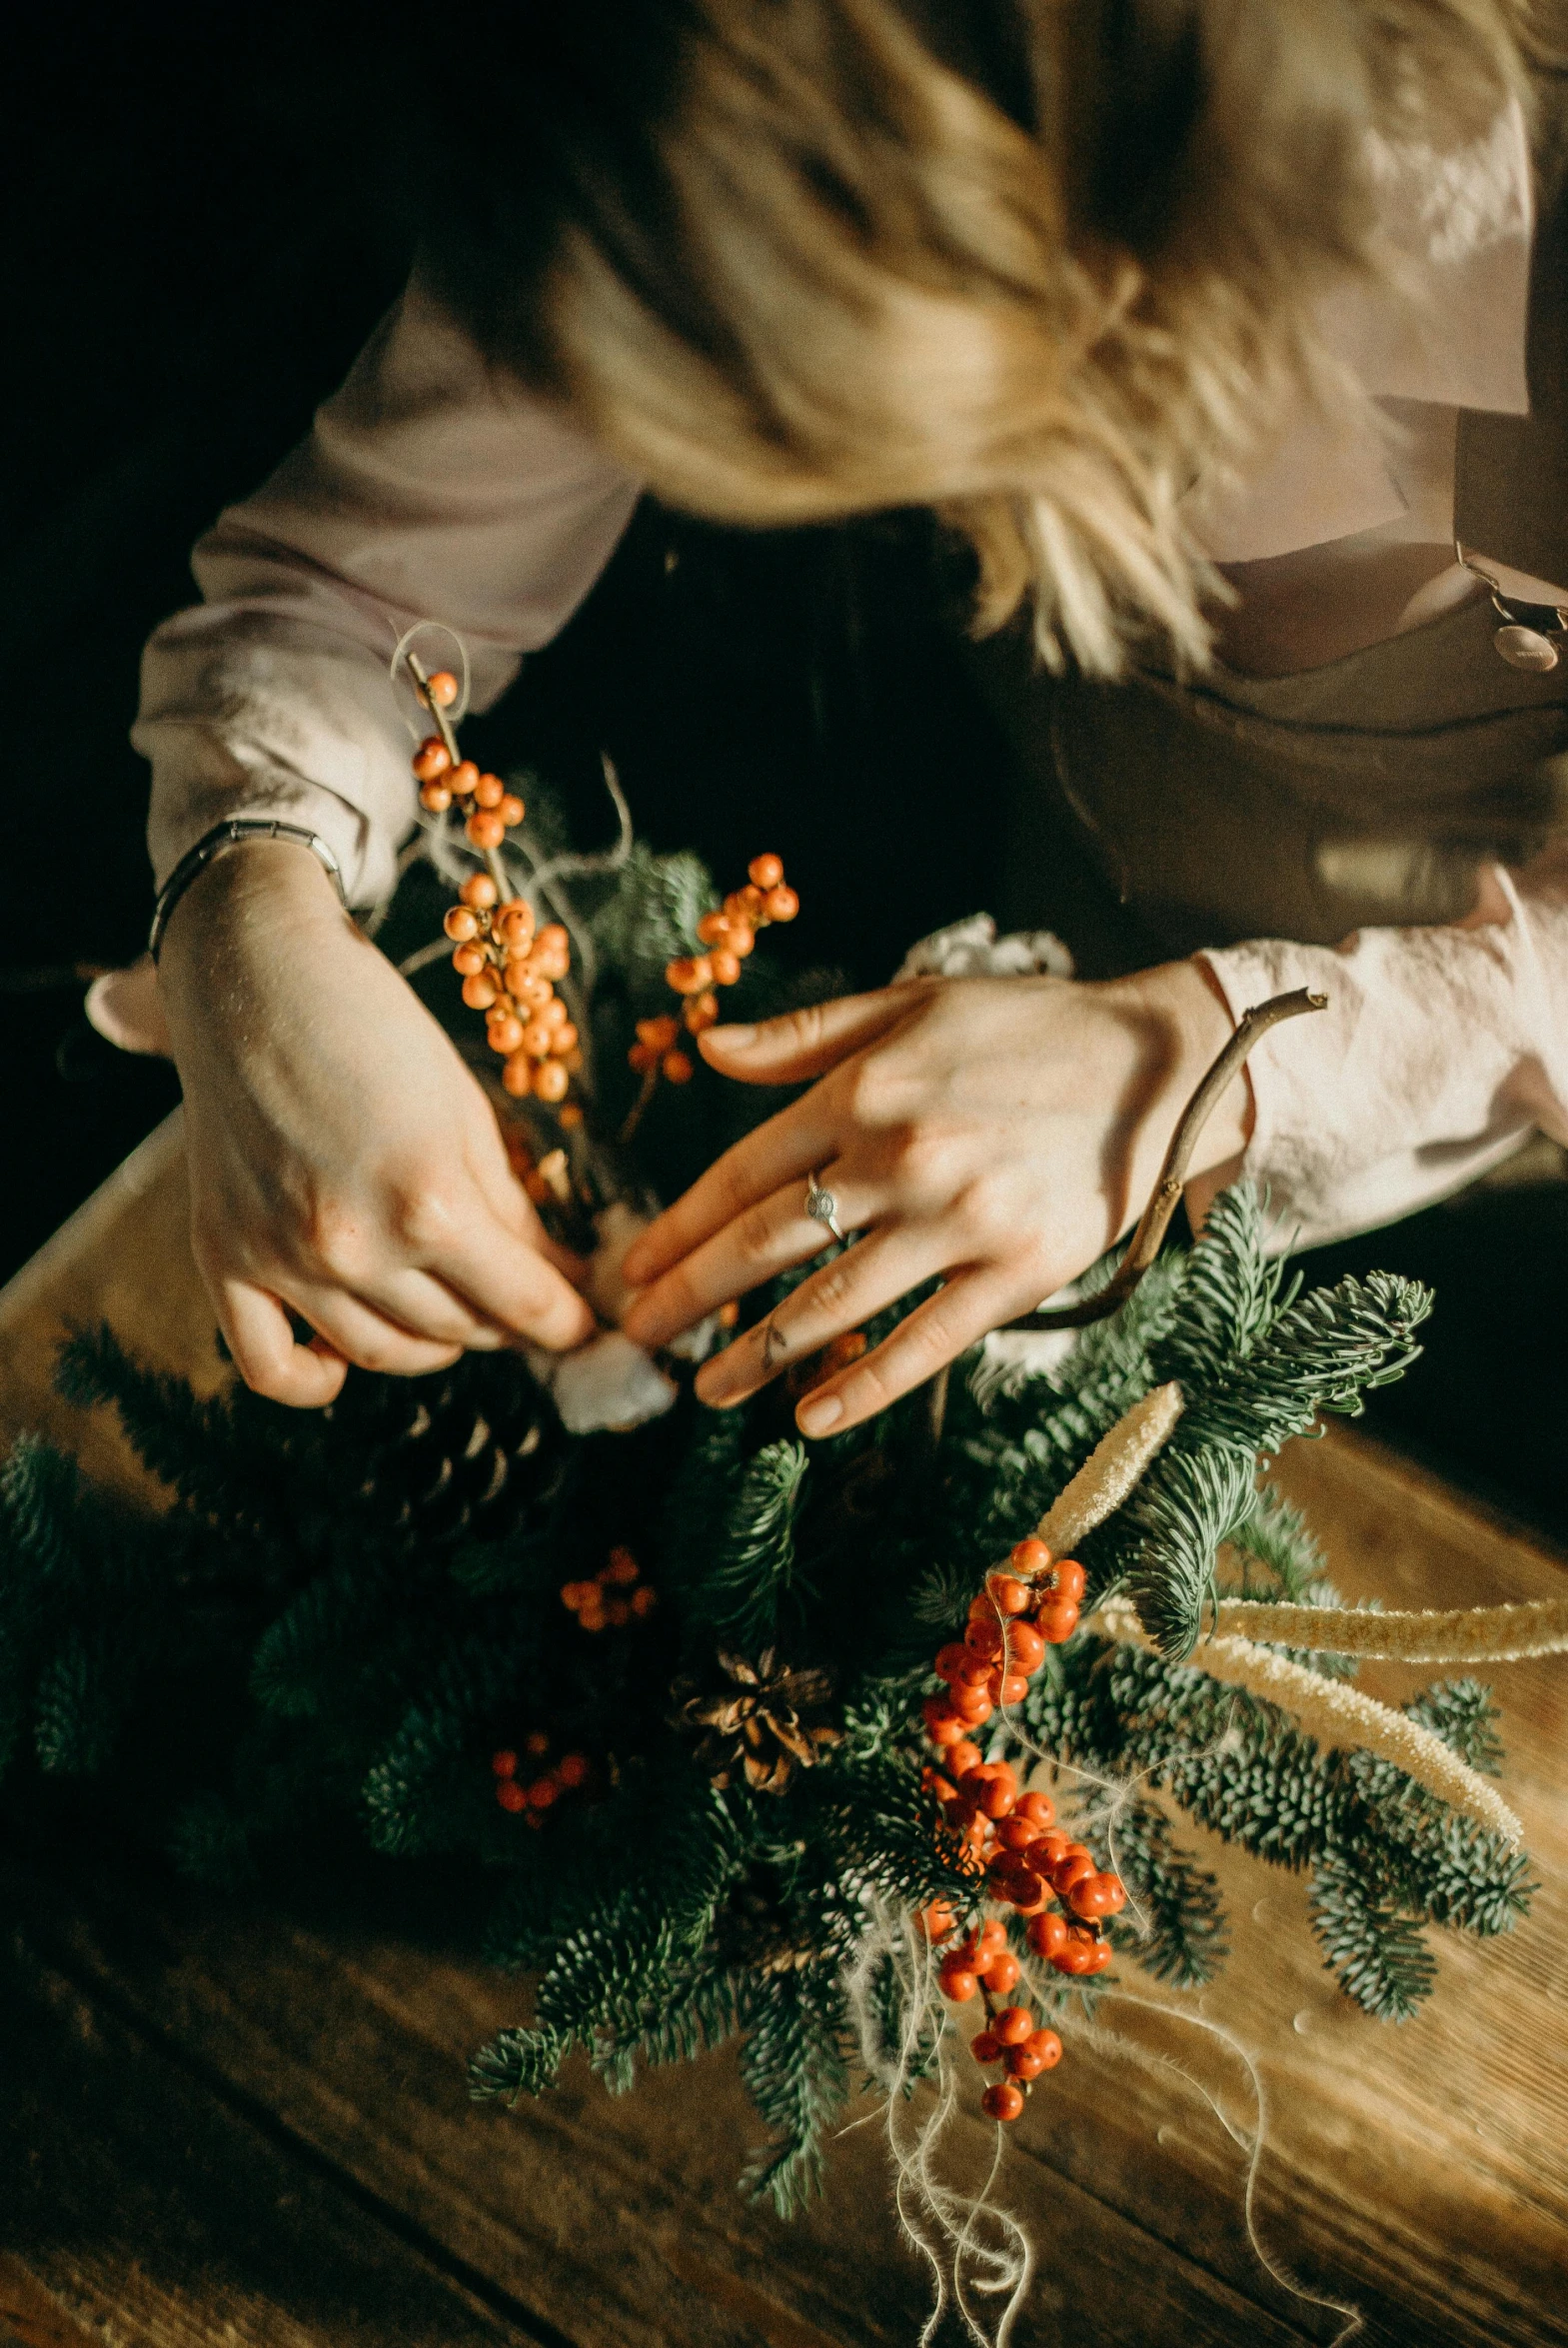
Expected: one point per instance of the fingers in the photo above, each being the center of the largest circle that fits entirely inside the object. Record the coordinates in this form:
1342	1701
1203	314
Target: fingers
754	1247
425	1305
256	1329
528	1297
805	1043
367	1337
934	1335
403	1321
516	1213
859	1280
786	1150
502	1279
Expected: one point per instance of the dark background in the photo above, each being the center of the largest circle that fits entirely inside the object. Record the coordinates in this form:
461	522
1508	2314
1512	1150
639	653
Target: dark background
203	219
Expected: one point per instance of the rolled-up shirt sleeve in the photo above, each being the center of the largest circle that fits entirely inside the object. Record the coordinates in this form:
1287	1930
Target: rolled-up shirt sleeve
1439	1051
430	489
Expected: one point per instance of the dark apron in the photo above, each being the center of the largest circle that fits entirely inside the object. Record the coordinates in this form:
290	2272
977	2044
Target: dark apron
1152	817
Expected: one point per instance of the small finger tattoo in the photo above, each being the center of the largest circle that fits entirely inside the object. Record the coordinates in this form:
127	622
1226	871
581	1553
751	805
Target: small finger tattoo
775	1343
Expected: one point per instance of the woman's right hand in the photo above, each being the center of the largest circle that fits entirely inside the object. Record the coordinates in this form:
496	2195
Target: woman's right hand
344	1165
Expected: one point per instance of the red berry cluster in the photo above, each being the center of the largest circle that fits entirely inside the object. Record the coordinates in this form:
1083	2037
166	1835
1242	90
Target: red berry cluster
508	971
600	1604
541	1791
489	809
1018	1615
1012	1839
729	937
1012	2037
657	1053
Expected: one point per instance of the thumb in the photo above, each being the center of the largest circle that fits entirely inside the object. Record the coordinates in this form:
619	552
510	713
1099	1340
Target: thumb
805	1043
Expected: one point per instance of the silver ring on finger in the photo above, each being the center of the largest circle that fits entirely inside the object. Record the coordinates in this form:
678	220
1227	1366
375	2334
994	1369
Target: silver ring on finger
823	1208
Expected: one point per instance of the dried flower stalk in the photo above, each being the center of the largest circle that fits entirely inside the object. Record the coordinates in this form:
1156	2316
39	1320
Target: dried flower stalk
1459	1634
1110	1471
1338	1714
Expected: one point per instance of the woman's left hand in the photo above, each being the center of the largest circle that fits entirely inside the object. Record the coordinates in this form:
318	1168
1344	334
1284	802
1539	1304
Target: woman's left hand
999	1132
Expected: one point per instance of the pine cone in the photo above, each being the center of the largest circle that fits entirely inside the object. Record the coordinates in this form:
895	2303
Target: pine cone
467	1453
754	1727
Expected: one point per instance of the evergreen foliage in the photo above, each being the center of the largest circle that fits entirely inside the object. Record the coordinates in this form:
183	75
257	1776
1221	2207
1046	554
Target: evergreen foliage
753	1561
368	1603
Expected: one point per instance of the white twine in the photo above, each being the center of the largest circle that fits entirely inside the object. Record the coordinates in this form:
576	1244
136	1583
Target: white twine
974	2247
1123	1792
1250	2141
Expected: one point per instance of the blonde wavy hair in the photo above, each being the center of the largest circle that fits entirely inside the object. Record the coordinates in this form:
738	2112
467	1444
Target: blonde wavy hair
1030	263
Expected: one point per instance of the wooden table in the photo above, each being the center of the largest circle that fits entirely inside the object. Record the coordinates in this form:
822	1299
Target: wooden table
246	2122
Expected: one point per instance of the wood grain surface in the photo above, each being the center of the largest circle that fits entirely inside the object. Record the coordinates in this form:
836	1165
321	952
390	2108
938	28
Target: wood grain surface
238	2121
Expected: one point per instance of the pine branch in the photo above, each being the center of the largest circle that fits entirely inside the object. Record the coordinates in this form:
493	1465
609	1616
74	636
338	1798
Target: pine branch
1463	1714
649	917
308	1654
876	1825
77	1708
1180	1934
1378	1954
754	1568
1276	1536
208	1843
1232	1292
190	1444
1192	1501
515	2063
40	1508
703	2009
701	1495
422	1791
1325	1353
795	2069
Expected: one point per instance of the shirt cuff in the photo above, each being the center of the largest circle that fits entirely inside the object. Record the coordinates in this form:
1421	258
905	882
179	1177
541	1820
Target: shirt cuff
1364	1112
366	861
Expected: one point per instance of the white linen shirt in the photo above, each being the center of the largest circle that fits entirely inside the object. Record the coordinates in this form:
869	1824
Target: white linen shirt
432	487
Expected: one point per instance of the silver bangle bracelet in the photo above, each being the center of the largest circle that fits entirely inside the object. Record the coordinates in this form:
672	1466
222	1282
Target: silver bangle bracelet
233	834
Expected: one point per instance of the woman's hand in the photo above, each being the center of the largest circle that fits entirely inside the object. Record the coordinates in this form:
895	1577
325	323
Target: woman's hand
345	1164
1001	1132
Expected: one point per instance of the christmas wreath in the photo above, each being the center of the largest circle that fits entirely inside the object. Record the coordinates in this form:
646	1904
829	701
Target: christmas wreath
814	1745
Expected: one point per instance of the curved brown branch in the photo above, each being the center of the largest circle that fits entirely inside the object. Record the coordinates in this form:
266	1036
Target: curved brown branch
1154	1221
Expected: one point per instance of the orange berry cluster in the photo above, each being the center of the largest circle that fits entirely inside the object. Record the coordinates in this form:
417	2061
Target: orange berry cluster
508	969
1018	1614
729	937
1011	2037
598	1604
658	1050
1012	1839
541	1791
489	809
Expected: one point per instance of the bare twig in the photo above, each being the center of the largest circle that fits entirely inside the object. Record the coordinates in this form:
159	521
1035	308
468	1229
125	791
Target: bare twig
1154	1221
494	864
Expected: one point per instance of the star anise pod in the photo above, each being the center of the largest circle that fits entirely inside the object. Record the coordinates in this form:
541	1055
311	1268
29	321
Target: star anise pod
760	1726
